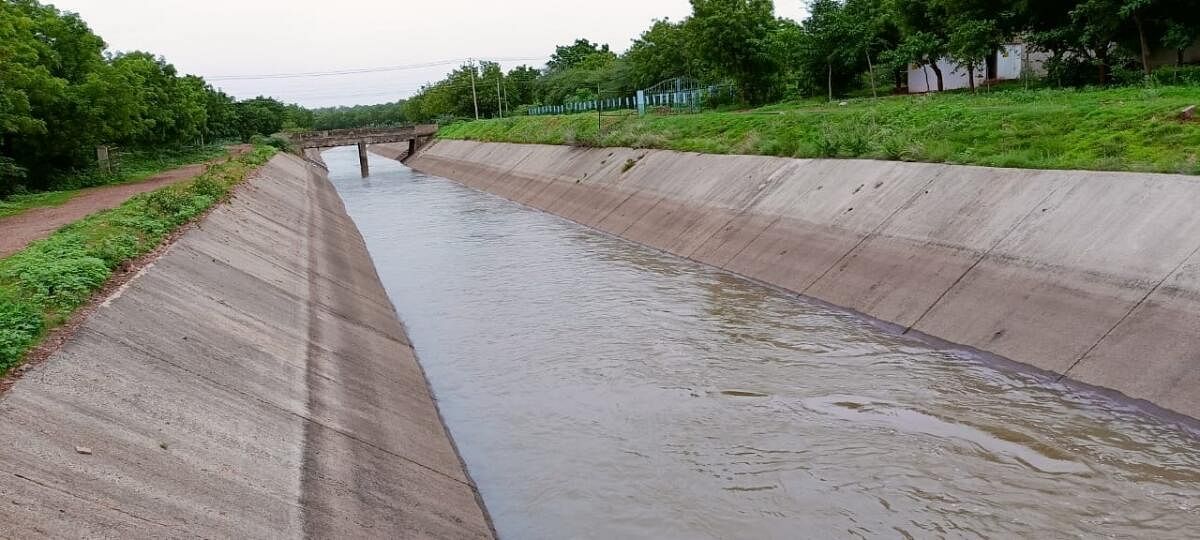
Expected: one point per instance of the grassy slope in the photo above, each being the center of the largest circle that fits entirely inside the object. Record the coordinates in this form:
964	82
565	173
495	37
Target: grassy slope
42	285
135	167
1128	129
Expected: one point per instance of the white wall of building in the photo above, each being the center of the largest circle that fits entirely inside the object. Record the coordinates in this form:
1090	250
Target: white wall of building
953	77
1011	61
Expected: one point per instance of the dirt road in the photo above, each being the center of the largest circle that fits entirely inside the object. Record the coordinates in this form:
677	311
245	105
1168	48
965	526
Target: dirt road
18	231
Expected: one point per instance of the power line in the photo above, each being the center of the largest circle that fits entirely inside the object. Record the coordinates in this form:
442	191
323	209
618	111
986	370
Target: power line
365	70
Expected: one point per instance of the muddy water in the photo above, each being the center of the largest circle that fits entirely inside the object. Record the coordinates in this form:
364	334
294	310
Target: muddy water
599	389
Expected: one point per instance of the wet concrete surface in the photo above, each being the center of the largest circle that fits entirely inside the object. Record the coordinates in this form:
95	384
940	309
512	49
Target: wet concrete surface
601	389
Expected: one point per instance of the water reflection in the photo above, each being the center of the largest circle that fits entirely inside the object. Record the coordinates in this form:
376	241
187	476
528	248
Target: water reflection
598	389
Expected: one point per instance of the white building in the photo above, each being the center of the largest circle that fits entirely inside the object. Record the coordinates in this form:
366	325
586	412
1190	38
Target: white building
1006	64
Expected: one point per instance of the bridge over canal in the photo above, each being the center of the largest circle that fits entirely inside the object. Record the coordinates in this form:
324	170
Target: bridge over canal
415	136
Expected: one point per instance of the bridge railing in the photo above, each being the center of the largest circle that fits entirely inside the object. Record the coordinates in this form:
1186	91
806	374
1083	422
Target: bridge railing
418	130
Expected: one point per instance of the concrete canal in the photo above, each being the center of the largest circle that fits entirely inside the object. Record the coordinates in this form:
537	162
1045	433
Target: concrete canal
597	388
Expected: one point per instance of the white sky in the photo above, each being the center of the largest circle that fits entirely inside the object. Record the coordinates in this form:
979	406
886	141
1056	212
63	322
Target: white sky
214	38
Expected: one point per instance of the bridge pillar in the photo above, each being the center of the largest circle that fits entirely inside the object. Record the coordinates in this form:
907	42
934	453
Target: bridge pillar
362	159
412	147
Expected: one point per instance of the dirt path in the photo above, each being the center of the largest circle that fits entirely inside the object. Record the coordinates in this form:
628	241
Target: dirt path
20	230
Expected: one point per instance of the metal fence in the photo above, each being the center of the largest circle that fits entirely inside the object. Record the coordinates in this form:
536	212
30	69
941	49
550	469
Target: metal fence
678	95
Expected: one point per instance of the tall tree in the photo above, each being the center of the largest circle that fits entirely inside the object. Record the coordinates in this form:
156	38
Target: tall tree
734	37
569	56
926	24
833	41
663	51
1182	32
971	42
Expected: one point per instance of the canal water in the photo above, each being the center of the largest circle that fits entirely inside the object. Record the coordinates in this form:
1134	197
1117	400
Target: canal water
600	389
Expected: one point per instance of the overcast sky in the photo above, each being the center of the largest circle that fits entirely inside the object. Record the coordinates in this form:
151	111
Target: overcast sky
221	38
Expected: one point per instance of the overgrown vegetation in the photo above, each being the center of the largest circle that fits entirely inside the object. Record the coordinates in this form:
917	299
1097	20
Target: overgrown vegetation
62	94
42	285
1132	129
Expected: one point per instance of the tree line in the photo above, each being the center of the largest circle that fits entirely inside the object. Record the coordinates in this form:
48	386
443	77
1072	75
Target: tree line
1086	41
842	46
62	94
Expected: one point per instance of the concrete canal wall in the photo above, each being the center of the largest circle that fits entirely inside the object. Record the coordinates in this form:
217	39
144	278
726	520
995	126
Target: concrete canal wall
1094	275
254	382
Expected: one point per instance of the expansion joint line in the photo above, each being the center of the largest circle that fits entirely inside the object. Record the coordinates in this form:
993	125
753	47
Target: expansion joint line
978	261
1129	313
69	493
873	232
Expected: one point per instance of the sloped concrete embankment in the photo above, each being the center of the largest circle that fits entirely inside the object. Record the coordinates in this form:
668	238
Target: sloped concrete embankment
1090	274
254	382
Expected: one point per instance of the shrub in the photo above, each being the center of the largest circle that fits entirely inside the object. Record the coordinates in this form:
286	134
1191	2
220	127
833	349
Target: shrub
20	326
1177	75
279	142
828	143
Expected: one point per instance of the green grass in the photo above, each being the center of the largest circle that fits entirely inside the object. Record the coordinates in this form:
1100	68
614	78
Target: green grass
43	284
134	167
20	203
1121	129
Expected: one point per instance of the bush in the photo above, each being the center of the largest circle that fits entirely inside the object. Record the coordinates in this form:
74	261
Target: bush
1177	75
279	142
20	326
12	177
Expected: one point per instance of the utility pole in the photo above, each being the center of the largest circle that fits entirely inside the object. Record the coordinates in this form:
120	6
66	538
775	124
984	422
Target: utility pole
506	105
474	98
499	104
599	118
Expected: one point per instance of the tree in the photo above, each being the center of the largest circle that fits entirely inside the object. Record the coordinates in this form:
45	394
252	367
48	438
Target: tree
926	28
1096	26
880	34
971	43
259	116
44	56
833	43
519	86
221	112
1173	23
1180	34
662	52
1138	11
384	114
62	93
734	38
569	56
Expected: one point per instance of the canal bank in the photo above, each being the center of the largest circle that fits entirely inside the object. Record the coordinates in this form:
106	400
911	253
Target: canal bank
1093	275
599	388
254	381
